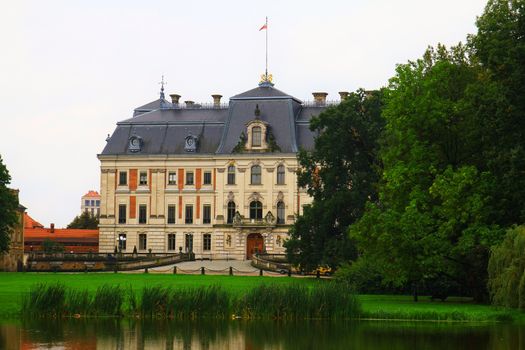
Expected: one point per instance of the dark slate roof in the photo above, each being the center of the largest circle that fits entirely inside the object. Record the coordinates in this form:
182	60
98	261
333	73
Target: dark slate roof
148	107
307	113
277	113
164	129
263	92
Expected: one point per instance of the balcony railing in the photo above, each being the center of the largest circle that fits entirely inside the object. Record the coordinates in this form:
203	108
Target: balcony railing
318	104
268	221
211	105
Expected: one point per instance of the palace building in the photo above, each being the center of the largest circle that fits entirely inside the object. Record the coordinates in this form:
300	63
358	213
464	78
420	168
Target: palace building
215	179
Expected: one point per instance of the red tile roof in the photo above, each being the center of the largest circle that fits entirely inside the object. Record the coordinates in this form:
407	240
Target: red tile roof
29	222
61	234
91	194
79	241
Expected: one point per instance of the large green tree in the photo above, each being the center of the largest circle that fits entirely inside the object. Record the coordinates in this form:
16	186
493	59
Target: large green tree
498	104
8	208
340	174
84	221
431	221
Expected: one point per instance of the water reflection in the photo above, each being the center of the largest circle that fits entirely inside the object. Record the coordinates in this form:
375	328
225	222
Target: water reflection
139	334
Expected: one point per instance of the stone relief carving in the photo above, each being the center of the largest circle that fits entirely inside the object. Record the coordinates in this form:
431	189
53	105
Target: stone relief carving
269	218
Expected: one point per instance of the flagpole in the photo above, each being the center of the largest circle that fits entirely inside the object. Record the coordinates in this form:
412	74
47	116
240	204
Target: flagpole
266	47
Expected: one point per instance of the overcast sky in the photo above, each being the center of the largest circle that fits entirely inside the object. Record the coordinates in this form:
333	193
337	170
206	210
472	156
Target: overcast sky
69	70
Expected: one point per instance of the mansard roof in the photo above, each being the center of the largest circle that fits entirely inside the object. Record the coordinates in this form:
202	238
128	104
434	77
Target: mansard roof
163	127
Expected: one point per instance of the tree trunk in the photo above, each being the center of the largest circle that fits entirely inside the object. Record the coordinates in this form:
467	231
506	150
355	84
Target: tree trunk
414	291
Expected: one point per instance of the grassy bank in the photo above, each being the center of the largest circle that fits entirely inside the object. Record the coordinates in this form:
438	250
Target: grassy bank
14	285
401	307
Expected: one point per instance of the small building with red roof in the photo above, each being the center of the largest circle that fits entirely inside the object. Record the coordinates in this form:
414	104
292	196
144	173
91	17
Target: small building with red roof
73	240
90	202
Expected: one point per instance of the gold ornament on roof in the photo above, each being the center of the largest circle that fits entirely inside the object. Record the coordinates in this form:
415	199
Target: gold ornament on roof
266	78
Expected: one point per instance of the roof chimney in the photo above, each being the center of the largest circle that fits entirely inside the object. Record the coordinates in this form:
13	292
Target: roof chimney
189	103
320	98
216	100
175	99
52	229
344	95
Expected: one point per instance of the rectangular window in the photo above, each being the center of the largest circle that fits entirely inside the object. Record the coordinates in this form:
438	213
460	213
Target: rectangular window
142	213
231	175
143	179
92	203
142	241
206	214
121	242
98	203
189	214
207	178
123	178
189	178
172	178
171	241
256	136
171	214
86	202
122	213
206	241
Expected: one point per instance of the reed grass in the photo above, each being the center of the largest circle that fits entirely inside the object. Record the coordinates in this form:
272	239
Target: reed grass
108	301
45	300
266	301
292	302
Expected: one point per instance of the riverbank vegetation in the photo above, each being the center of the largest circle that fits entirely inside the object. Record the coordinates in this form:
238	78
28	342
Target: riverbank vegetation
431	175
154	294
264	301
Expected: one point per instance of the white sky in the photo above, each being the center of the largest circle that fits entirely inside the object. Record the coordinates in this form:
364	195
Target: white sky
69	70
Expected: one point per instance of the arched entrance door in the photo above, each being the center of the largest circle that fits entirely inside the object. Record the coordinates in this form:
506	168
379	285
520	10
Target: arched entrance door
254	244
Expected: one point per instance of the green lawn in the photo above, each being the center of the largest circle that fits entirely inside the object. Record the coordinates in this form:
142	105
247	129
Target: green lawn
13	285
453	309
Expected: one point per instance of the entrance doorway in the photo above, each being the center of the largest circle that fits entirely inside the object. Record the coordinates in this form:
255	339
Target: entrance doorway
254	244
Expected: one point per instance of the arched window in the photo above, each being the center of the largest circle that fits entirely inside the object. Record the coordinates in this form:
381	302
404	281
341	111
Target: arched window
280	175
256	210
256	136
231	175
256	175
280	213
231	212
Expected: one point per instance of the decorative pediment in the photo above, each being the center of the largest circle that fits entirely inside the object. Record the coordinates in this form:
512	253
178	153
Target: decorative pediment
255	196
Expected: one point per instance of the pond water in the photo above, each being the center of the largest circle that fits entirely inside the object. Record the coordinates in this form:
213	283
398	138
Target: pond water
136	334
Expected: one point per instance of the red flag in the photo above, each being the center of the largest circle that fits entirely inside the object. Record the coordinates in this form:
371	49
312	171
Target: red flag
264	27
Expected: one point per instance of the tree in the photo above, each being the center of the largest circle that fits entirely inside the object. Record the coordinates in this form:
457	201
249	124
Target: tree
340	174
507	270
432	219
84	221
498	104
49	246
8	208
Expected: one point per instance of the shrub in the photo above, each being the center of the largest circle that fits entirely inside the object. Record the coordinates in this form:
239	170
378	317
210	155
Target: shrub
507	270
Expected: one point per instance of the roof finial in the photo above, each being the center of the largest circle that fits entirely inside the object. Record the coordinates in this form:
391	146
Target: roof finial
162	83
